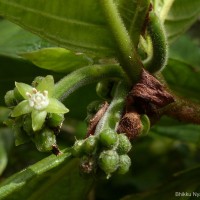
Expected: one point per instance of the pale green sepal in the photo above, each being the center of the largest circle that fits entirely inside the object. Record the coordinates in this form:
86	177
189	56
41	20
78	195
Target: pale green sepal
46	84
38	119
56	106
23	88
21	109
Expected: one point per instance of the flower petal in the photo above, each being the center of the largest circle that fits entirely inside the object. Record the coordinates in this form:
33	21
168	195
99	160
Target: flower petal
23	88
38	119
47	83
56	106
21	109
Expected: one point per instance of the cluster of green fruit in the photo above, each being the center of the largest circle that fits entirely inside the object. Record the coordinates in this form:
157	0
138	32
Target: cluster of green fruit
106	151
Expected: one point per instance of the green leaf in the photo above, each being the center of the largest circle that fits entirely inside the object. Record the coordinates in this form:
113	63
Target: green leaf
185	181
183	79
177	130
38	119
21	109
68	23
14	40
51	178
57	59
181	16
56	106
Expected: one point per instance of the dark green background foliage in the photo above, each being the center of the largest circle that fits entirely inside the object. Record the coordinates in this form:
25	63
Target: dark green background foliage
164	162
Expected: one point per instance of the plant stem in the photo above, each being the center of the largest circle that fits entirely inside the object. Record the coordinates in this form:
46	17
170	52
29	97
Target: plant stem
84	76
126	52
165	9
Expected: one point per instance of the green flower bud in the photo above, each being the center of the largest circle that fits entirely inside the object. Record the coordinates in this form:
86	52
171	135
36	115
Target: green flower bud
18	96
77	149
45	140
55	120
10	98
108	138
108	161
90	144
124	164
124	145
145	125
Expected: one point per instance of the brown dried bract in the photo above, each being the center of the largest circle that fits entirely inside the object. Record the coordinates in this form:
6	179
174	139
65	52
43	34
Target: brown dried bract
55	150
130	124
149	94
94	121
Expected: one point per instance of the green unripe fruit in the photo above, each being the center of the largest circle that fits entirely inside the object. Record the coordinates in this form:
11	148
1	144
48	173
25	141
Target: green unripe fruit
55	120
104	88
90	144
18	96
145	125
77	149
124	145
108	138
10	98
124	164
44	140
108	161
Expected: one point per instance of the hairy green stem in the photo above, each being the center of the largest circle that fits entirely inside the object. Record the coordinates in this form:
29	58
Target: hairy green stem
159	44
115	109
84	76
126	52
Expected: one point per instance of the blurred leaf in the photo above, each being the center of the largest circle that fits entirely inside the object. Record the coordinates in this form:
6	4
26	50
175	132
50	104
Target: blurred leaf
186	181
6	142
57	59
177	130
74	24
4	113
183	79
51	178
181	16
186	49
15	40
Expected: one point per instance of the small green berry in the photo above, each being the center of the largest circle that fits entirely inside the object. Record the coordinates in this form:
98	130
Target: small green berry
77	149
90	144
124	145
108	138
10	98
124	164
44	140
108	161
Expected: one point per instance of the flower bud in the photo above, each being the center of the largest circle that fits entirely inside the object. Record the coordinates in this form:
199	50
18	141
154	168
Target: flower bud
10	98
77	149
44	140
124	164
104	88
36	81
124	145
108	161
87	164
90	144
108	138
